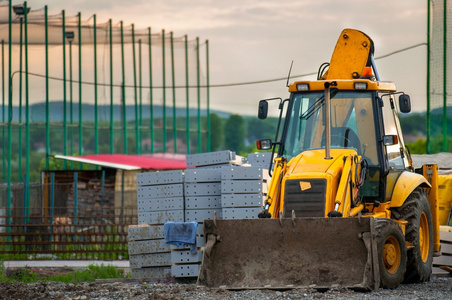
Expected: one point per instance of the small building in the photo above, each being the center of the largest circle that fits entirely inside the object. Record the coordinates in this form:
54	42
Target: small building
103	193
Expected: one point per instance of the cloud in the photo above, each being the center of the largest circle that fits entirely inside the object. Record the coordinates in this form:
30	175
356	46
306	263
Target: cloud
257	39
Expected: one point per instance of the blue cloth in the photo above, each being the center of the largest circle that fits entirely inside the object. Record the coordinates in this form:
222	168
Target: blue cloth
181	234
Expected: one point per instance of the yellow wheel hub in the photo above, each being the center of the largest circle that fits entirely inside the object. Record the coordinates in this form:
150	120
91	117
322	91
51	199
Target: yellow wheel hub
424	241
392	255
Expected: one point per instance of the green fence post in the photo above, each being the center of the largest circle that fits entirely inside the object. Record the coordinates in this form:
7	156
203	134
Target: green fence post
124	114
135	94
198	87
111	87
80	96
96	129
445	77
63	27
209	134
10	117
164	90
140	86
47	87
3	113
21	74
71	99
187	97
173	79
151	99
27	111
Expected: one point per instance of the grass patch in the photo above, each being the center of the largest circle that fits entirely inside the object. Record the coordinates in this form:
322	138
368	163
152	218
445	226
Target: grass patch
90	274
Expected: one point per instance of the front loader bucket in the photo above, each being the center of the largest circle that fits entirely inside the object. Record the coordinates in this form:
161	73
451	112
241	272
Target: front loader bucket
318	253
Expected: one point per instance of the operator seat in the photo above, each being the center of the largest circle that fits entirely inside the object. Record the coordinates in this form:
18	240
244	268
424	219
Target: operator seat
343	137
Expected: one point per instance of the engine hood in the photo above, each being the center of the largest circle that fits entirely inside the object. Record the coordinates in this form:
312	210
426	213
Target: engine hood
313	161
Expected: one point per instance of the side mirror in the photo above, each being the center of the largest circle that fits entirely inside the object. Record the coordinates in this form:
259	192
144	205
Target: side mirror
404	103
263	109
264	144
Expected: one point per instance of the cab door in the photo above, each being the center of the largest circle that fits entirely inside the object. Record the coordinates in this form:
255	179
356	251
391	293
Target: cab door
394	155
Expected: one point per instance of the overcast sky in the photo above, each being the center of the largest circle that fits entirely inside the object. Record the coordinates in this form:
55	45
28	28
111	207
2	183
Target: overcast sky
252	40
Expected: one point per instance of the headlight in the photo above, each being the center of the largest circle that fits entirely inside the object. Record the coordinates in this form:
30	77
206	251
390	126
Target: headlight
264	144
360	85
302	87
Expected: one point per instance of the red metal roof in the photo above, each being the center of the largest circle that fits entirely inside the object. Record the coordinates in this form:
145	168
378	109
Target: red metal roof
157	161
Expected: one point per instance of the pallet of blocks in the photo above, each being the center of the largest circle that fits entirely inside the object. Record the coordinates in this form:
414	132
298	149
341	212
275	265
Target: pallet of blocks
149	255
190	196
160	199
442	265
203	180
202	194
243	191
185	259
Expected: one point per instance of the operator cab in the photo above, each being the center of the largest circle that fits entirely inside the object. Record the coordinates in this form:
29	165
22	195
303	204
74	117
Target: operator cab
350	112
364	119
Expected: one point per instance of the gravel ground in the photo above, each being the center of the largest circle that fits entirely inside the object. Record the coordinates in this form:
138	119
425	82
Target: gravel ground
437	288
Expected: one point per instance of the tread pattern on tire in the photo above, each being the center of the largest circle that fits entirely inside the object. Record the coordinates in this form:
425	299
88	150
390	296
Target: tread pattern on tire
383	229
411	210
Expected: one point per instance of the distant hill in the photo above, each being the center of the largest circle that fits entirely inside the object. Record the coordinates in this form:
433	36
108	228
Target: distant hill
56	109
38	113
439	111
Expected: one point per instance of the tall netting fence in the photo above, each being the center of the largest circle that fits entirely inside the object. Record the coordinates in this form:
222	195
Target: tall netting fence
73	85
439	107
71	215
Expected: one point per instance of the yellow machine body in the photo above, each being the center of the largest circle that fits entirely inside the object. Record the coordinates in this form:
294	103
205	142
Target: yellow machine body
345	206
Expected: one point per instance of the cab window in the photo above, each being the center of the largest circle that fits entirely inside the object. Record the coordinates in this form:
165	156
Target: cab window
394	152
352	124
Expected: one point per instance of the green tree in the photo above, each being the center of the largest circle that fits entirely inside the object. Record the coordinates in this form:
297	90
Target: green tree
418	147
54	164
414	124
261	129
437	144
216	132
234	133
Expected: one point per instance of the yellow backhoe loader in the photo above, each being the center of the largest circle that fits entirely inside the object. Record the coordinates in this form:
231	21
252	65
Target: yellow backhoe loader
345	208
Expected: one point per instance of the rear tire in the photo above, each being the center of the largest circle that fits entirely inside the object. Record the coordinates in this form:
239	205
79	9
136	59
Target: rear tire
419	232
392	255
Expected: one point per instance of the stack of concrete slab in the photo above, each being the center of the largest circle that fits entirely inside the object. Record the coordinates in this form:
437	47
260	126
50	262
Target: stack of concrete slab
160	199
220	183
203	183
214	159
185	261
260	159
243	191
442	265
202	193
149	256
